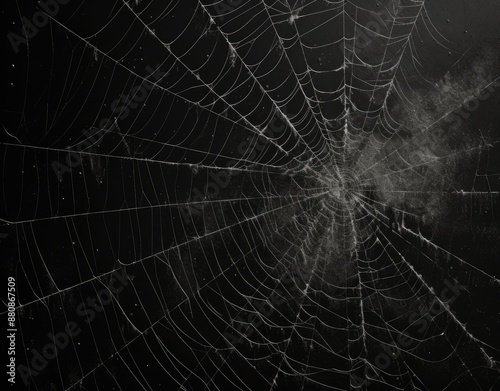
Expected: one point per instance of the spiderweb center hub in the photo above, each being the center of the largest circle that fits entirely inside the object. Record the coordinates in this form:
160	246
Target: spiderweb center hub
345	185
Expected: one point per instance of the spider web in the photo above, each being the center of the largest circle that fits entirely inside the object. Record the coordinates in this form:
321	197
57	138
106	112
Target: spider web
253	195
